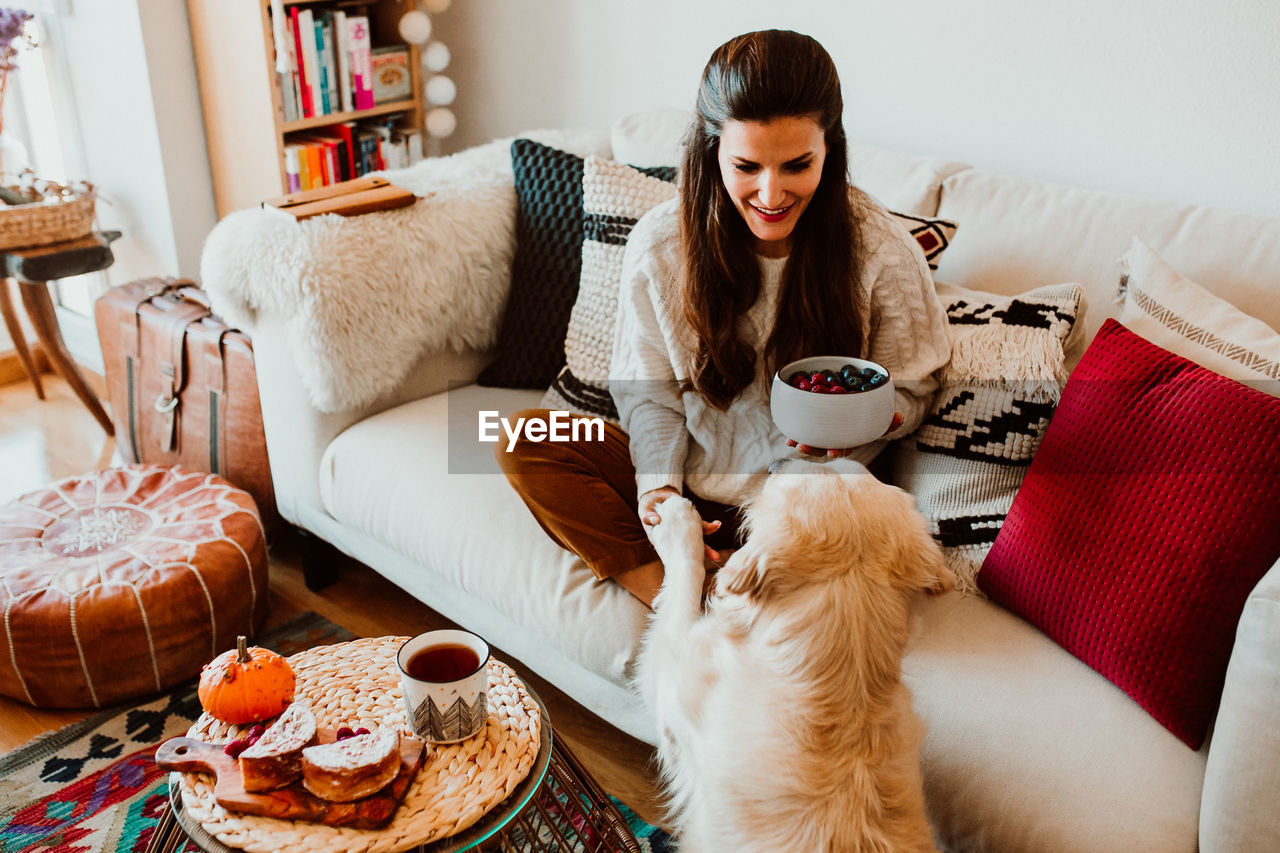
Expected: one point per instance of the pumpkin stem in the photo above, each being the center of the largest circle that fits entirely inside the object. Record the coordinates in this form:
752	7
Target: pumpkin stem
242	650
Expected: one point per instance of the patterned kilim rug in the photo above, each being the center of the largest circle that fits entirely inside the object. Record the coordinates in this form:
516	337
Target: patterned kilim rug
93	785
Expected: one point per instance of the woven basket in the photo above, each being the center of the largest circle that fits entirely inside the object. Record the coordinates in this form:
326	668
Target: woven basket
41	223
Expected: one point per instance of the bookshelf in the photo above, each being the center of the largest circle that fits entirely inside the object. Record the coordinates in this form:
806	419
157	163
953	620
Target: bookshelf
244	112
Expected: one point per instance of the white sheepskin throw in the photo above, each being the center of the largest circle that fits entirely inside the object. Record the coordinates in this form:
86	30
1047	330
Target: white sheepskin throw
366	296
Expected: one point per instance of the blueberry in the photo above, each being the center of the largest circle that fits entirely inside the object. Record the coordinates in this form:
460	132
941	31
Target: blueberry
878	380
868	372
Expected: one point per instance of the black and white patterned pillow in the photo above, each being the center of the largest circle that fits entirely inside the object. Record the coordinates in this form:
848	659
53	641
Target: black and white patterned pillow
614	197
544	269
967	460
933	234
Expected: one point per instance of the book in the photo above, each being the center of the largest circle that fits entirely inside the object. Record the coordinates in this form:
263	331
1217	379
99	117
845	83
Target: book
322	65
345	132
361	62
292	175
391	80
289	80
335	151
304	168
299	62
310	60
344	60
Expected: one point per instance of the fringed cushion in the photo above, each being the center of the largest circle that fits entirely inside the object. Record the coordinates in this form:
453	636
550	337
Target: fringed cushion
968	458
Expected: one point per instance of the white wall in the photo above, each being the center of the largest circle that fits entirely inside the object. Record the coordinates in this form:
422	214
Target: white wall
132	77
1174	99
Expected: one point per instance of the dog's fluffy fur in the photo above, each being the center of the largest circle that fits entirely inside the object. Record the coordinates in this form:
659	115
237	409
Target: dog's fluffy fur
783	721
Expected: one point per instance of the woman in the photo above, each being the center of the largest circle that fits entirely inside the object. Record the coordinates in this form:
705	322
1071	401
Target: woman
767	255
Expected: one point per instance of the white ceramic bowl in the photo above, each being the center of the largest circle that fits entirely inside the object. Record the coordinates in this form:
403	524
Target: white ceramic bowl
830	420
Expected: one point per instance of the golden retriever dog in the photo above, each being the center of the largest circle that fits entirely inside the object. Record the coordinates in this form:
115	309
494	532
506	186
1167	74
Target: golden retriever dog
783	721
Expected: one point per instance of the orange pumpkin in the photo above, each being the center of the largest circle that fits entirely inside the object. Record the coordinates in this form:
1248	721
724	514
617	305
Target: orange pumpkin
246	684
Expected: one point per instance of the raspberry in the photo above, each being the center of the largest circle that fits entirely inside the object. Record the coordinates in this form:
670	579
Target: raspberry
237	746
345	732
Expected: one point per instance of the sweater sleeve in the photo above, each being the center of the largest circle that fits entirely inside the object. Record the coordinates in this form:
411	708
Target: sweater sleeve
642	379
907	328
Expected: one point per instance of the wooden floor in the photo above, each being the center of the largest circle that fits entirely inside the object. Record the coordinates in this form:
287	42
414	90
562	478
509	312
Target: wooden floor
41	441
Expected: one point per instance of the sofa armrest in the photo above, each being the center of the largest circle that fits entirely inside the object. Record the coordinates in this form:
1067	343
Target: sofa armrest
298	433
1238	806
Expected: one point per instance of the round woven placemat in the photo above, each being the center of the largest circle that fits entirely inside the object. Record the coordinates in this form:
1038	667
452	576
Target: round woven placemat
358	684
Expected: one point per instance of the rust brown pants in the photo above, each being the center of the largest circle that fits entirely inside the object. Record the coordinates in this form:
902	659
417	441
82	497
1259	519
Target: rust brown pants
583	493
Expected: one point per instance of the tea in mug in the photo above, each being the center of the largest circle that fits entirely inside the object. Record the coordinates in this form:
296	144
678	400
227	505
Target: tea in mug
442	664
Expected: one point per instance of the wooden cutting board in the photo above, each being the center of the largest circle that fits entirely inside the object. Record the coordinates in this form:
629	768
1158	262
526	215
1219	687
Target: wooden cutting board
293	802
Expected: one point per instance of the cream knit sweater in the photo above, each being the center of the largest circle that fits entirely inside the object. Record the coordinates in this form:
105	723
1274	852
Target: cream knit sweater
678	439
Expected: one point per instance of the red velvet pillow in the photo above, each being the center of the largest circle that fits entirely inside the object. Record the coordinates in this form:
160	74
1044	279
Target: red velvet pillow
1150	511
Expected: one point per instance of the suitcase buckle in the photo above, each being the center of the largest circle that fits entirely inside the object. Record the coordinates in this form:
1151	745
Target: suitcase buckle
166	403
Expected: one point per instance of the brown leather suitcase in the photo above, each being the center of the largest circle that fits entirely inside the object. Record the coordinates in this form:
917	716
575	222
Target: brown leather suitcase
182	385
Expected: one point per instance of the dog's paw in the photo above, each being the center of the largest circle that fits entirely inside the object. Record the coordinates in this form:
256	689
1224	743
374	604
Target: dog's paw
678	536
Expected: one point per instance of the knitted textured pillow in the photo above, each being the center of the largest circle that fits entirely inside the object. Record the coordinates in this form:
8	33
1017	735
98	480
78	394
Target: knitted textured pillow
1149	513
967	459
615	196
544	268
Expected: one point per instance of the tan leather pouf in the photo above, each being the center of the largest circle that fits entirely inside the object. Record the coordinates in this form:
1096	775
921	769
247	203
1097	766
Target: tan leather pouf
124	582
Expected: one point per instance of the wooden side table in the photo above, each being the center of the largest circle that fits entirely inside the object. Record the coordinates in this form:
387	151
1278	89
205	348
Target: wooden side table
33	269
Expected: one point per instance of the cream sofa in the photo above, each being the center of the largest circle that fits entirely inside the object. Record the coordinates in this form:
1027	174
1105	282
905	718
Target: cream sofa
1027	749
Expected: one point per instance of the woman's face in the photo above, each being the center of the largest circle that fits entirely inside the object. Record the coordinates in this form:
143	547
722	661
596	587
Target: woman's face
771	170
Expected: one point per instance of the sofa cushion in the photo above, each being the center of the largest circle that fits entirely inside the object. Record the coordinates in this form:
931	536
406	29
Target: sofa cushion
1017	233
544	269
1181	316
614	197
1150	511
967	459
416	479
1027	750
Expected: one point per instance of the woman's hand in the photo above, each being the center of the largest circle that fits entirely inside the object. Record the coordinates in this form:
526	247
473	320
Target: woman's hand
836	452
648	511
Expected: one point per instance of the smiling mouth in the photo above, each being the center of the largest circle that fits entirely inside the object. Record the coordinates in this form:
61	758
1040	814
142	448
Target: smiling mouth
772	214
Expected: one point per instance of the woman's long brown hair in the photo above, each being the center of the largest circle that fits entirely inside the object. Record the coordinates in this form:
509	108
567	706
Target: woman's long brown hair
759	77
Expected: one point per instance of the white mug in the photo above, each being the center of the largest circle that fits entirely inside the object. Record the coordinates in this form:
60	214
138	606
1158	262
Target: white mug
445	676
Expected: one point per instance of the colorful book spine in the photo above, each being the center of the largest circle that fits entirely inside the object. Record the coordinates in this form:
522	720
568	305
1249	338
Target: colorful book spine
345	132
288	79
322	66
299	61
292	176
341	31
311	60
361	62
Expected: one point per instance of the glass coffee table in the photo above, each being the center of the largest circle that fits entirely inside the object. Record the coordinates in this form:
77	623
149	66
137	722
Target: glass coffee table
558	806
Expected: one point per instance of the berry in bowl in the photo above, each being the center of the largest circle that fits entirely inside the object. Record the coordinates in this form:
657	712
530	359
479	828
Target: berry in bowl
832	401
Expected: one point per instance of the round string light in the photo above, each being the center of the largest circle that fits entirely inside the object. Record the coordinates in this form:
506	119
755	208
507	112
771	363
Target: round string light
435	57
415	27
441	91
441	122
